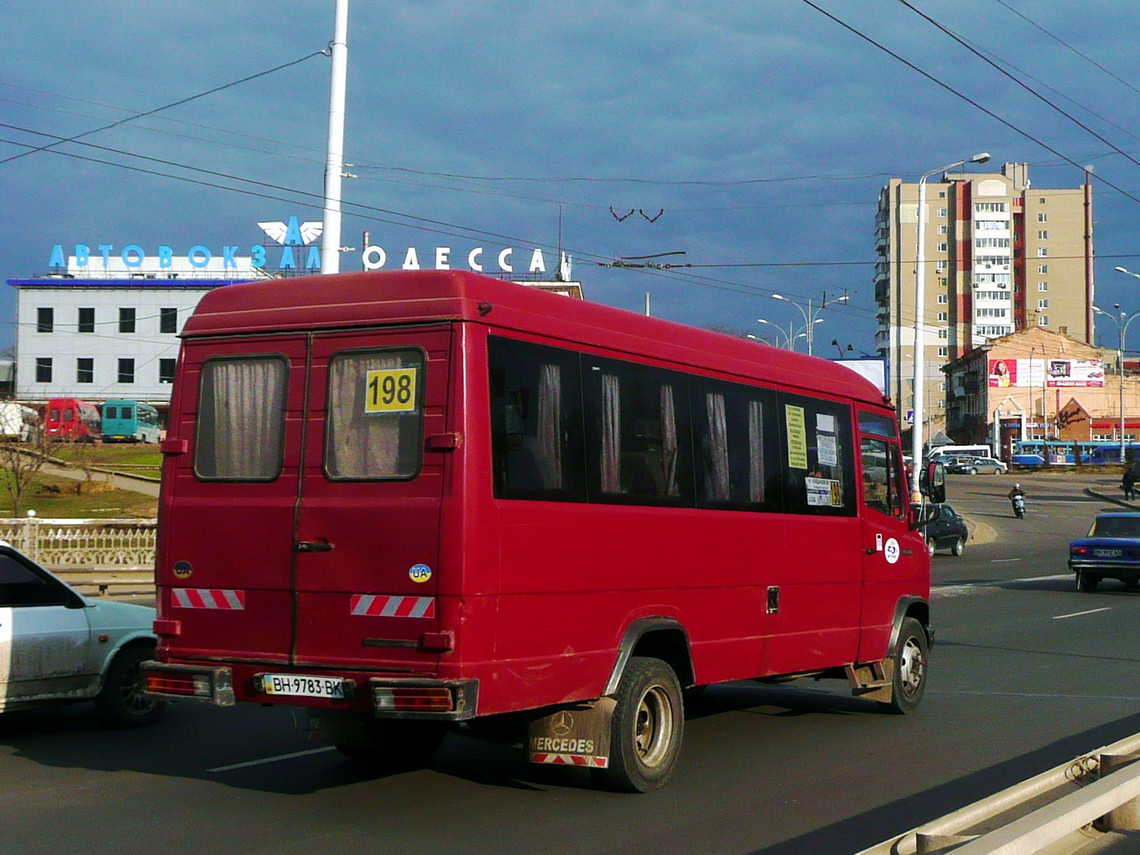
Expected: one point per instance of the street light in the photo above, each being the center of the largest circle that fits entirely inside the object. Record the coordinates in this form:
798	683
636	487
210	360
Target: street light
810	314
789	337
919	309
1122	320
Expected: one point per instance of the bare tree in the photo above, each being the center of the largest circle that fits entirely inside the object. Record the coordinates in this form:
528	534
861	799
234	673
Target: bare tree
21	464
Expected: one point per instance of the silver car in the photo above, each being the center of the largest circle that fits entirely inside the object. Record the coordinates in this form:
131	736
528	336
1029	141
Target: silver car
58	646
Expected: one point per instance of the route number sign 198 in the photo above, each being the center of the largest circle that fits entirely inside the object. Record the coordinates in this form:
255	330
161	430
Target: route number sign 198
390	390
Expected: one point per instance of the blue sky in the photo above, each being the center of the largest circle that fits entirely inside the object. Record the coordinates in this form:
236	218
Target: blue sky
762	131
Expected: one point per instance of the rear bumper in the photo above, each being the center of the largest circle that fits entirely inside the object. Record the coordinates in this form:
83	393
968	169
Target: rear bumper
1107	568
382	697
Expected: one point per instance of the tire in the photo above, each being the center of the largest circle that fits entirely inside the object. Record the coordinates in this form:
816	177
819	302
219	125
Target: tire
122	701
973	471
646	727
910	656
1086	582
958	548
930	547
396	745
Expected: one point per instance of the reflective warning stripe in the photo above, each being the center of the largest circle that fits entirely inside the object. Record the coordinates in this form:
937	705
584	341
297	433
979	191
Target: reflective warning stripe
207	598
571	760
380	605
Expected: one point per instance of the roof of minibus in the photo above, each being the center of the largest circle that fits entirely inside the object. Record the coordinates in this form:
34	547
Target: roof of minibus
350	300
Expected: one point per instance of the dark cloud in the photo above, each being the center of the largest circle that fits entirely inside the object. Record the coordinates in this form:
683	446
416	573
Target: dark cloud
762	130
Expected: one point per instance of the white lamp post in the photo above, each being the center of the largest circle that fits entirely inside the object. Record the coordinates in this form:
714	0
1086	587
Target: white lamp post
919	310
810	315
1122	320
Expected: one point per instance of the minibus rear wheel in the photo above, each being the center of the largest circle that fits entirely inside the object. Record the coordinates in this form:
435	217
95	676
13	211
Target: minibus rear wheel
646	727
911	655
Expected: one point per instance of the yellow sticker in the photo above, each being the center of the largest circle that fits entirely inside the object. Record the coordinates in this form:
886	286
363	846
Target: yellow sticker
797	437
390	390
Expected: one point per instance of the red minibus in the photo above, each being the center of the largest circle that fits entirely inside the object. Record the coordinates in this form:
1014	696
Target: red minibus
404	500
70	418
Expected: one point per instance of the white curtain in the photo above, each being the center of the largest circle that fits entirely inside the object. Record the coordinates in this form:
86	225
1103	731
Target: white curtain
716	465
610	463
755	451
245	422
668	444
550	426
360	445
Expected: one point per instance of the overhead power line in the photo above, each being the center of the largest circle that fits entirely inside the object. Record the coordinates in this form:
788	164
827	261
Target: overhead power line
1019	82
152	112
965	97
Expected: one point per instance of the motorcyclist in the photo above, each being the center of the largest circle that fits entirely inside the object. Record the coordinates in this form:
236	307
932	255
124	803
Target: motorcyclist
1016	498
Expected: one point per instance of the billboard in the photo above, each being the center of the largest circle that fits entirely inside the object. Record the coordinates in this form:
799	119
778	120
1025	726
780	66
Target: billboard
1049	372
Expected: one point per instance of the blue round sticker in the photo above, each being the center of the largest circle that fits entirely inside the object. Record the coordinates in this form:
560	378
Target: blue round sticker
419	573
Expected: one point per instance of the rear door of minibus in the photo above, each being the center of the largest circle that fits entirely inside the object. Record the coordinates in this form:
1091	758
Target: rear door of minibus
304	527
367	562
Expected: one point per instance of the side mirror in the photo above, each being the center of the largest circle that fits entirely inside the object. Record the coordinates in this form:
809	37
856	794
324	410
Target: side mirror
935	482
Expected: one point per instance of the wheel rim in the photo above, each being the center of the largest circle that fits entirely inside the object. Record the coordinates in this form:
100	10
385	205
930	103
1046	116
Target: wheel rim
653	731
135	699
912	667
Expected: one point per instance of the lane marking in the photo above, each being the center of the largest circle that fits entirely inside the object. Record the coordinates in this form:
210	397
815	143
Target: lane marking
966	693
1003	560
1080	614
276	759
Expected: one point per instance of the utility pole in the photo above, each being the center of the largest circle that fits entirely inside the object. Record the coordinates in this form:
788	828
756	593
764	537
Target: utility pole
334	164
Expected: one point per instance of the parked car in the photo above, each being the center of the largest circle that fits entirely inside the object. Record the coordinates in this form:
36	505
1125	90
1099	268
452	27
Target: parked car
970	465
944	528
57	645
1111	550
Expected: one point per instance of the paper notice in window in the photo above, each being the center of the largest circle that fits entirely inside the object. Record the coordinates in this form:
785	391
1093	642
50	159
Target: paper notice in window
823	493
797	437
825	422
826	448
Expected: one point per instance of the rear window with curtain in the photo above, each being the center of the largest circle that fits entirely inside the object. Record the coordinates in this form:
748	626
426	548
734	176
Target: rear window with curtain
241	419
374	415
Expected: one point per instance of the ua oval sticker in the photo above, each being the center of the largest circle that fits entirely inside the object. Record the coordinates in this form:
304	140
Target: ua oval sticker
419	573
183	569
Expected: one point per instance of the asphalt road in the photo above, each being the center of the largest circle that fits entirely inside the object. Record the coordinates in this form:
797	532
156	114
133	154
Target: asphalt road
1026	673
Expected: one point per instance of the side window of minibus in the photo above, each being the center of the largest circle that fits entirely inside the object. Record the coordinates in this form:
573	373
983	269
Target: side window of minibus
876	474
536	422
638	434
818	456
737	446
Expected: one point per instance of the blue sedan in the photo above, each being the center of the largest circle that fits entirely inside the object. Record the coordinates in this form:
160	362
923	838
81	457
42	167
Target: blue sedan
1111	550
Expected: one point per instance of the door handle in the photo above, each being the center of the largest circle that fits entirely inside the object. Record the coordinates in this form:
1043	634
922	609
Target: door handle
315	546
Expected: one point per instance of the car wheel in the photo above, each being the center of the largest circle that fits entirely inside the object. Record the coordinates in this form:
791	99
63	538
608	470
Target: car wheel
930	547
958	548
1086	582
908	683
645	728
123	701
973	470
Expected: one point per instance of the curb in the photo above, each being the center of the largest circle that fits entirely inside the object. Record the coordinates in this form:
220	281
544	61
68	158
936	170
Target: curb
1132	506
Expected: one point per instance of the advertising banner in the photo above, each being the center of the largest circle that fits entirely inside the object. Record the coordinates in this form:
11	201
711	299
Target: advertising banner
1048	372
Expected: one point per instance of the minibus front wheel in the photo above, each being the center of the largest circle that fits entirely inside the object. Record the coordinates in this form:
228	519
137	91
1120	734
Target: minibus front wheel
910	658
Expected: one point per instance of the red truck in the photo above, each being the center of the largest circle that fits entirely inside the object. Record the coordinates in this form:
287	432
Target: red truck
410	501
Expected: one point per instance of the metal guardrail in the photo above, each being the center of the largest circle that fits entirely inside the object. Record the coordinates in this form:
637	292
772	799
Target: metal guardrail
94	555
1084	802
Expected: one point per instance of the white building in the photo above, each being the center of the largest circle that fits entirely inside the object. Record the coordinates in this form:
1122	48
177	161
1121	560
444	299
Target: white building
109	331
104	324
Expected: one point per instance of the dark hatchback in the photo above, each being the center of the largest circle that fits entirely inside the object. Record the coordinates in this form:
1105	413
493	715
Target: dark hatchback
1111	550
947	529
